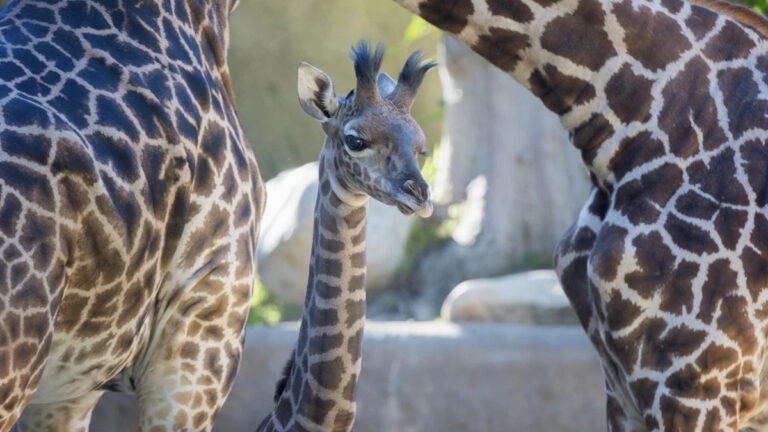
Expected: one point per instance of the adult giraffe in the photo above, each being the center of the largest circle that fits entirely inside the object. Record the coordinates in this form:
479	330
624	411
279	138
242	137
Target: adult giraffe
129	209
667	265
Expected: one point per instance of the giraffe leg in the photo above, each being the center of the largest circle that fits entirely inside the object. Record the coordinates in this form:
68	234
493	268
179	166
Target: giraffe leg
31	282
73	415
189	367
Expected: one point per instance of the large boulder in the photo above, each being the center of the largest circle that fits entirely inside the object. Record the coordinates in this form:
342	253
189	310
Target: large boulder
533	298
286	236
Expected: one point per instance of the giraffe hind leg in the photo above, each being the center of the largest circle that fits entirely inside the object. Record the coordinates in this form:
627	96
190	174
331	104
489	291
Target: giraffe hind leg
31	283
72	415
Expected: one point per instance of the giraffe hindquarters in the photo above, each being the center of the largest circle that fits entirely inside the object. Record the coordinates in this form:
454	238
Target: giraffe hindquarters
189	366
72	415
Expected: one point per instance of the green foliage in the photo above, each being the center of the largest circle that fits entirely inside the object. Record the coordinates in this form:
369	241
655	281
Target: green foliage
265	308
758	5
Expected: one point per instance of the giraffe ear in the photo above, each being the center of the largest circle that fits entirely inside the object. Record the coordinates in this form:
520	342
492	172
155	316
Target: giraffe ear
386	84
316	93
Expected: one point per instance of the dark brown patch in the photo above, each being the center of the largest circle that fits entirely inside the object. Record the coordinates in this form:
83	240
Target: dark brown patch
639	199
327	221
331	245
355	311
756	271
734	322
576	287
687	383
719	179
327	373
516	10
212	362
676	416
568	35
343	419
323	343
501	47
656	265
354	345
688	102
322	317
731	43
659	351
712	420
588	136
634	152
620	312
741	95
28	183
720	283
695	205
349	389
357	260
547	3
559	91
677	297
325	290
755	156
449	15
701	21
644	390
728	224
354	218
654	39
329	266
689	237
629	95
673	6
608	250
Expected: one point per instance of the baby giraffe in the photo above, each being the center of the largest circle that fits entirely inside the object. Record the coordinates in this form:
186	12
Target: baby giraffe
371	149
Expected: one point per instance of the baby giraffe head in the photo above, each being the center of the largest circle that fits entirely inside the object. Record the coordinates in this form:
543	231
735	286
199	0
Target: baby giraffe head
372	142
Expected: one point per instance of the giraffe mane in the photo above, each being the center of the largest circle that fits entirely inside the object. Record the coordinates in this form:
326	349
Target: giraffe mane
739	13
285	376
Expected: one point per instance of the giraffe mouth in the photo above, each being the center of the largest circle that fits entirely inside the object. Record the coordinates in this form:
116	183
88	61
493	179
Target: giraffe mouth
423	210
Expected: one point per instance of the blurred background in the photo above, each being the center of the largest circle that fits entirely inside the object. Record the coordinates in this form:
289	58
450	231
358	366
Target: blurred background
470	330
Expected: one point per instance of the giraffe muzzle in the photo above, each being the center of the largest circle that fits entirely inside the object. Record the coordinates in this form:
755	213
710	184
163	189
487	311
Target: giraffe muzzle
417	198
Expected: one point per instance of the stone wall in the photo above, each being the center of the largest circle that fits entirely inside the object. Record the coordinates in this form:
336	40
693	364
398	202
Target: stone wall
428	377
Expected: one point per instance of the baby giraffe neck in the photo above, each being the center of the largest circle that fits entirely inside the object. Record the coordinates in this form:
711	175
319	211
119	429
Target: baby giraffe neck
319	392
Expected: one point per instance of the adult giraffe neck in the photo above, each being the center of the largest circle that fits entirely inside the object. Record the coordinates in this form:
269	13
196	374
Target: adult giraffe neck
319	392
604	65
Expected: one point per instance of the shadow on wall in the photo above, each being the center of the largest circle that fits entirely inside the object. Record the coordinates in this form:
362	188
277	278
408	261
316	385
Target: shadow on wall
268	41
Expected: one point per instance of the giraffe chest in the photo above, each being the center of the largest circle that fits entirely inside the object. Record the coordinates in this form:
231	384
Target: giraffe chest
668	279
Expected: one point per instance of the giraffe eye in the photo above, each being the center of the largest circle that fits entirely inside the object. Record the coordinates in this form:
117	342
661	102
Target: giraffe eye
354	143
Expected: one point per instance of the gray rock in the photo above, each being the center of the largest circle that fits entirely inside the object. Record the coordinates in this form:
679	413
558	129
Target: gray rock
427	377
534	298
286	236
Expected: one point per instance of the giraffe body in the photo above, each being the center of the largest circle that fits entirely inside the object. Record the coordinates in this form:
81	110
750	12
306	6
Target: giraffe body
667	264
370	150
129	208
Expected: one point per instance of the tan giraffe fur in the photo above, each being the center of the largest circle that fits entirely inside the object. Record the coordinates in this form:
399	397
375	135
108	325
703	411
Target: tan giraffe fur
317	393
667	264
129	210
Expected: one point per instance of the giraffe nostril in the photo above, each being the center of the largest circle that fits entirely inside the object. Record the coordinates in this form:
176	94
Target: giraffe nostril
416	189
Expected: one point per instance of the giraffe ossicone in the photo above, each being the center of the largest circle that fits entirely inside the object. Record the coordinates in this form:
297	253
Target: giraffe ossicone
667	264
371	148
